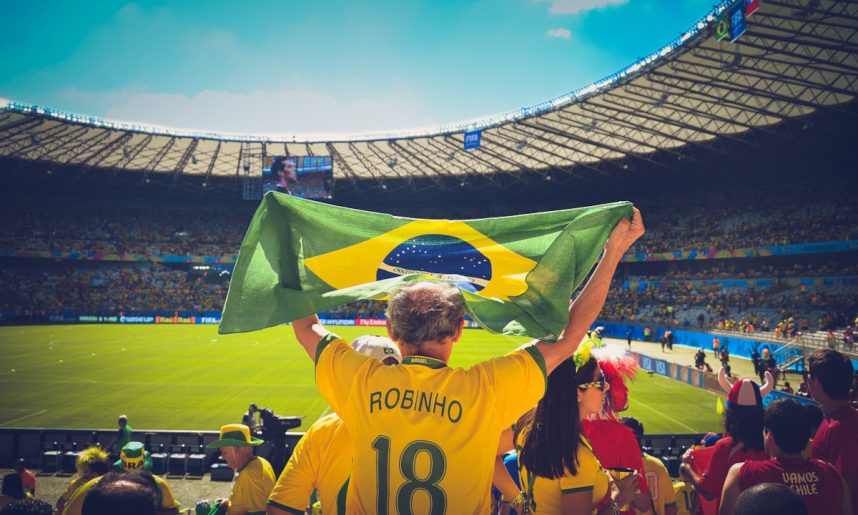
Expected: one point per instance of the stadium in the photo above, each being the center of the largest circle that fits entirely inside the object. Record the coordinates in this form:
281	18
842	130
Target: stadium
120	240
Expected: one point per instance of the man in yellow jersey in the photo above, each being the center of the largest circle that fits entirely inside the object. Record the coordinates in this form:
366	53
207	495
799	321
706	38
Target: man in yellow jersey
255	476
660	484
322	459
133	459
425	435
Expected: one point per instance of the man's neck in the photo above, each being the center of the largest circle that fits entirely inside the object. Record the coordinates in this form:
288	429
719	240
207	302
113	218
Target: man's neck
829	406
785	456
433	349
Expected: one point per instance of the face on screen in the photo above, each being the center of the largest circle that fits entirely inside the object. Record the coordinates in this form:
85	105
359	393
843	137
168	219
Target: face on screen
288	171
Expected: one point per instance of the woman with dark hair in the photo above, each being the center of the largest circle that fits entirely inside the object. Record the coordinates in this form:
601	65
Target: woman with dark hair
743	436
557	468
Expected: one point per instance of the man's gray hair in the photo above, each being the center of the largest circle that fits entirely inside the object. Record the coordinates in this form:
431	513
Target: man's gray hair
422	311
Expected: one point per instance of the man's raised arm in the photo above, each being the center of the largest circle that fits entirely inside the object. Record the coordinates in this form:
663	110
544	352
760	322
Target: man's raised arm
585	309
309	331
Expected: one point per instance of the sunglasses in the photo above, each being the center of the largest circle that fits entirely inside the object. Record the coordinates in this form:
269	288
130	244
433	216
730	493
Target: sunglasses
600	384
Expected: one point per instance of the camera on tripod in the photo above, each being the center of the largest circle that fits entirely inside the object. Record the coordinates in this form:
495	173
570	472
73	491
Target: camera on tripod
276	426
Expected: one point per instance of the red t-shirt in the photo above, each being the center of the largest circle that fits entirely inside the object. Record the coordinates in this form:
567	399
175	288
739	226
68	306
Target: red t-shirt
723	457
815	481
615	445
836	442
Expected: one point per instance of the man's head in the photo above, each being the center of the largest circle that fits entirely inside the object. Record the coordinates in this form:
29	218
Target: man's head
235	444
830	375
13	485
284	167
20	465
787	426
636	426
123	421
767	498
421	312
118	492
88	461
378	347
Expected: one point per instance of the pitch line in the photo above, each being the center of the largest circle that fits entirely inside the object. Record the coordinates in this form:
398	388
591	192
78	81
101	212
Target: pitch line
663	415
24	417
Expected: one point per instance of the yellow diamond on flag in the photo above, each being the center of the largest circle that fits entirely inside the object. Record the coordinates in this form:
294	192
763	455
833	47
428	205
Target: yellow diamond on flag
442	249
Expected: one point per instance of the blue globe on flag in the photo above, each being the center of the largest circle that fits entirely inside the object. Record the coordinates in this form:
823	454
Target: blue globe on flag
444	257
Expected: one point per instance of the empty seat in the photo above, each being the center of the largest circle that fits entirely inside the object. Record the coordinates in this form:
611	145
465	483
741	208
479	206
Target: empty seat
221	472
159	459
69	459
50	459
177	460
196	461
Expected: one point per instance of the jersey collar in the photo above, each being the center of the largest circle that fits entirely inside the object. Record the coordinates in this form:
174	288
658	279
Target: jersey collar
423	360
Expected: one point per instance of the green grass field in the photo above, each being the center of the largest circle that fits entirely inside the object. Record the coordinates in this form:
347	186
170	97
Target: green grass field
189	377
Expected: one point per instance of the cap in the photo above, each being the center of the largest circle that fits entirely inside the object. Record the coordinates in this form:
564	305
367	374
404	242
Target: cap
377	347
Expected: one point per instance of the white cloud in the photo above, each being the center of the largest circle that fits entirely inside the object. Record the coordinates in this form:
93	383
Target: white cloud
560	32
303	113
576	6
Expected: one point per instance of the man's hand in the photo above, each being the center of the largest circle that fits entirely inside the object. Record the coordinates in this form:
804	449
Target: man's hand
585	309
623	490
625	233
309	331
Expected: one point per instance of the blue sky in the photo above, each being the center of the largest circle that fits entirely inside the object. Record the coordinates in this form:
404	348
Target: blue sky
322	66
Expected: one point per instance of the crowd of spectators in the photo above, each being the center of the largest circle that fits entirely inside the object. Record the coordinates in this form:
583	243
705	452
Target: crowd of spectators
205	231
712	305
744	219
108	289
703	223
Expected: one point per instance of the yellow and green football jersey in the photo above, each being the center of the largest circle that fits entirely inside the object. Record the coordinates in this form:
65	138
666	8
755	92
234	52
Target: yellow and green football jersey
685	498
322	460
660	484
425	435
251	488
545	495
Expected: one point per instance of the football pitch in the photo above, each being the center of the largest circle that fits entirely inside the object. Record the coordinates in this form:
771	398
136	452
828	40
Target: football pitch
191	378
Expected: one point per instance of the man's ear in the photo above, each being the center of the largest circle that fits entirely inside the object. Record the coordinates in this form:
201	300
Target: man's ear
389	330
459	331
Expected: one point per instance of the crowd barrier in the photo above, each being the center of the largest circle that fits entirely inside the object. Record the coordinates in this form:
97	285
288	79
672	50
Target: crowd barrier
184	318
31	444
749	252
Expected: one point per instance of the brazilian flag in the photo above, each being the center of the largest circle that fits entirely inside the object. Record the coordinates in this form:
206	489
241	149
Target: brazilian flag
516	273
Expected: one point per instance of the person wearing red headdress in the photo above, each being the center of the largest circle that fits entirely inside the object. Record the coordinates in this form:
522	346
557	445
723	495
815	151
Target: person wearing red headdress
614	444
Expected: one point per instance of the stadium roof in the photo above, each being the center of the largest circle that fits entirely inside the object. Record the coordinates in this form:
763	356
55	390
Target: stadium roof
797	57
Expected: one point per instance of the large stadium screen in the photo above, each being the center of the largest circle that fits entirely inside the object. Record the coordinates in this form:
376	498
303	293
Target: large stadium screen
300	176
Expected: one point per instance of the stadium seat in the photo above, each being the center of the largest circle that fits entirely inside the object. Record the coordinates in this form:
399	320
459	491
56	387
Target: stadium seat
221	472
177	461
159	459
672	464
196	461
50	460
29	447
69	459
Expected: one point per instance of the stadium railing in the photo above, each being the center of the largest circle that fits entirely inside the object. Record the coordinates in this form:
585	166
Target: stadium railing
31	443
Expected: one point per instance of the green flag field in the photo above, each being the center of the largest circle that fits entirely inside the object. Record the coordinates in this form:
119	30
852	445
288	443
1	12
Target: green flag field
192	378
